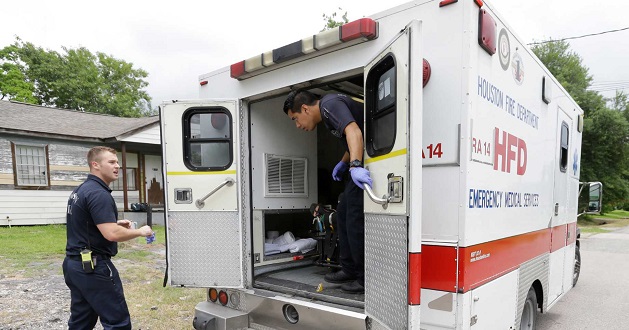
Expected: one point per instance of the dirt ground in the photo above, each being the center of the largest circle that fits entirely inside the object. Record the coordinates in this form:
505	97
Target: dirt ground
42	301
39	302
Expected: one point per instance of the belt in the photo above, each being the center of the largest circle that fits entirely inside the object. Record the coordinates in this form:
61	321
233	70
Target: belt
98	257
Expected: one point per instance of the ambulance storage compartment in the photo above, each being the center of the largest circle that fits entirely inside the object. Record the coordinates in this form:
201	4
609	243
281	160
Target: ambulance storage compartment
282	236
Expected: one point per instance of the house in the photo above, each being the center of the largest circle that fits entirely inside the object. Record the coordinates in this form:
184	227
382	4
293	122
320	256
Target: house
43	158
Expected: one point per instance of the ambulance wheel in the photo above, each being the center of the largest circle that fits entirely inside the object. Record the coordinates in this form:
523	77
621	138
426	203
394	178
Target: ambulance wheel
529	313
577	266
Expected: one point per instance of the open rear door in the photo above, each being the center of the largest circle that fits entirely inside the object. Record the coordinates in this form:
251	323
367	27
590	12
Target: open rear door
393	130
205	240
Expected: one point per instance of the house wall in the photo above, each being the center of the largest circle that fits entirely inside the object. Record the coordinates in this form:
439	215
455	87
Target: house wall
68	168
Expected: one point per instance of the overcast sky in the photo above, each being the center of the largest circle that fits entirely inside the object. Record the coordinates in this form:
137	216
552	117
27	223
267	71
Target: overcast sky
176	41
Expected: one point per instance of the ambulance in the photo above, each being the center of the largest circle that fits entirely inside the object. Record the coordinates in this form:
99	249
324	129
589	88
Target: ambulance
474	149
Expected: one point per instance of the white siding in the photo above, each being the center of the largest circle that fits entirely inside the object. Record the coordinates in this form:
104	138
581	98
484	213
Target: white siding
39	207
149	136
32	207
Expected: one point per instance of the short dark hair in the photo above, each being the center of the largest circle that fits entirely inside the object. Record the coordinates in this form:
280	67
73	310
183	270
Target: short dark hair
94	155
296	99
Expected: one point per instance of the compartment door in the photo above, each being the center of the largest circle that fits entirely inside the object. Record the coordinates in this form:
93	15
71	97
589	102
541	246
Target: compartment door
393	131
205	234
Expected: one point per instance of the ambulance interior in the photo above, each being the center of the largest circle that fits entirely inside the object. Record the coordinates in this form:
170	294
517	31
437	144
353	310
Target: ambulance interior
290	170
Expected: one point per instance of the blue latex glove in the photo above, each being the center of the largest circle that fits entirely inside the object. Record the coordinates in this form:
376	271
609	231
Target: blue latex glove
339	170
150	239
360	176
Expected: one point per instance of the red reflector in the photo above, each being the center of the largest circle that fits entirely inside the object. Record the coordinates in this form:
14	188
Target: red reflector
414	278
237	69
203	83
479	2
427	72
447	2
361	28
213	295
487	32
222	297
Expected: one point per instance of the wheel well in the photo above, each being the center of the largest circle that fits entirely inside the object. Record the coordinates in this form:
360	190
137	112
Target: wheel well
539	292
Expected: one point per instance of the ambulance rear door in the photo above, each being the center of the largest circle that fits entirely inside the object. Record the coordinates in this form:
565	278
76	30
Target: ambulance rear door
393	134
204	231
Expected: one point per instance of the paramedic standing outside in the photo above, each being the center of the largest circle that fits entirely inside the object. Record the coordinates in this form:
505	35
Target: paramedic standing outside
92	224
344	118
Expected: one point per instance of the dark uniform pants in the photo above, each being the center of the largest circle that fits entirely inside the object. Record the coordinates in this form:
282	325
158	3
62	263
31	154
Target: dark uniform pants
351	223
97	294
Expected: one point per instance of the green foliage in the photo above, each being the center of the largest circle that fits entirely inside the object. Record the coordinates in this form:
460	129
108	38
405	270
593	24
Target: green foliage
604	155
75	79
13	83
331	21
604	152
620	102
566	66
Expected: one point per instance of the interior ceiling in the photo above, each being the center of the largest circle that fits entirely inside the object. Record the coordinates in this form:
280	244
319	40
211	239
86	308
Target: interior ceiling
352	87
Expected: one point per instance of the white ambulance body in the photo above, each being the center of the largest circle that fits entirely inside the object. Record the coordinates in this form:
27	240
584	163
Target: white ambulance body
471	220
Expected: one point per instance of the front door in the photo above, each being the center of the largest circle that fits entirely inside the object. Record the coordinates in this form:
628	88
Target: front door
205	234
153	180
393	112
561	215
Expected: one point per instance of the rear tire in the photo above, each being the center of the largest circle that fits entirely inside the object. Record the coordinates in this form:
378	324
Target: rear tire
529	312
577	266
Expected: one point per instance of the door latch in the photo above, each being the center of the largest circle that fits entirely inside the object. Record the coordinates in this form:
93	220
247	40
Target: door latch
396	185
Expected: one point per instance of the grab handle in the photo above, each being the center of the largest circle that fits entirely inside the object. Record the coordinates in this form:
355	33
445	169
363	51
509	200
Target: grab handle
200	203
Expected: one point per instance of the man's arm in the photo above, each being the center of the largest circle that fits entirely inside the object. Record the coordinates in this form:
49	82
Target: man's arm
116	233
354	138
345	158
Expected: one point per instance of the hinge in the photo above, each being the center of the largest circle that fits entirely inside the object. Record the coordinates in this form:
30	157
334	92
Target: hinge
473	320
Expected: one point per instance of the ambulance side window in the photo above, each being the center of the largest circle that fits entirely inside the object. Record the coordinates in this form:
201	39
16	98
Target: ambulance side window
563	157
380	107
207	139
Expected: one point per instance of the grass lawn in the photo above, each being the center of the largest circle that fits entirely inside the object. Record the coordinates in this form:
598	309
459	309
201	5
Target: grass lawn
603	223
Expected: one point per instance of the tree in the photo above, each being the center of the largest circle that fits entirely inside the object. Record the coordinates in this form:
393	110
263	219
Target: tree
331	22
566	66
78	79
604	150
620	102
604	155
13	84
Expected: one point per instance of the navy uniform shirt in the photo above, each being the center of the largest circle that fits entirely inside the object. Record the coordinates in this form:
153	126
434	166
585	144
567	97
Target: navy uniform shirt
338	111
90	204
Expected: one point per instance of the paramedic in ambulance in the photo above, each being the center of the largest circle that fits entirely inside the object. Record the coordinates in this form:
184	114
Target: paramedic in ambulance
343	117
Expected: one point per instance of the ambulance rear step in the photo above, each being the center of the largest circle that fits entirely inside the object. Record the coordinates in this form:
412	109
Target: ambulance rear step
275	312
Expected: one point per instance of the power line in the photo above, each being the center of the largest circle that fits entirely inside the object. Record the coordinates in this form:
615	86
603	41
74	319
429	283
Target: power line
583	36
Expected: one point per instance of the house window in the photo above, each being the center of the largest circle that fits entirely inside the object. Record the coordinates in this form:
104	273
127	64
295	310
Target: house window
30	165
131	180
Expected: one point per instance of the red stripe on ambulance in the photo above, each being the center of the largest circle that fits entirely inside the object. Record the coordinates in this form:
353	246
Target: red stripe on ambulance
484	262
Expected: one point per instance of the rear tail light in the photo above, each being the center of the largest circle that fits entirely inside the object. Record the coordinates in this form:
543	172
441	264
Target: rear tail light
213	295
222	297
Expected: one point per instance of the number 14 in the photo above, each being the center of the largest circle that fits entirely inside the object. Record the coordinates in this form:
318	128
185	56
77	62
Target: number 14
432	151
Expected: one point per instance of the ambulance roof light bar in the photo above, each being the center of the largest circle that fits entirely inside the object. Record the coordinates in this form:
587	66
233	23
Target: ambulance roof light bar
360	30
